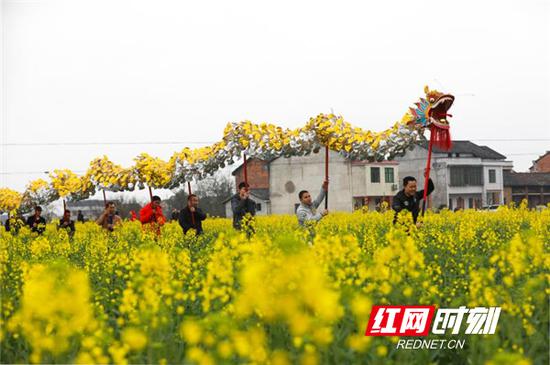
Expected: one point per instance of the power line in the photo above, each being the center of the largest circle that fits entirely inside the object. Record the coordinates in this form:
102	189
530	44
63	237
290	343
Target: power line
301	163
512	139
17	144
33	172
523	154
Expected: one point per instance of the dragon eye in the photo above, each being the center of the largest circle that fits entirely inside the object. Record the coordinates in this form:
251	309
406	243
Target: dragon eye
432	100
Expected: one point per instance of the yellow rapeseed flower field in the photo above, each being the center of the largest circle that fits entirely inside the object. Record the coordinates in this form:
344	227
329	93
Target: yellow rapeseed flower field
281	295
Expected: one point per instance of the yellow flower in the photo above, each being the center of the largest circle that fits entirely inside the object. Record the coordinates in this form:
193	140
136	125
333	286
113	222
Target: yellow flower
191	332
134	338
54	307
381	351
65	182
9	199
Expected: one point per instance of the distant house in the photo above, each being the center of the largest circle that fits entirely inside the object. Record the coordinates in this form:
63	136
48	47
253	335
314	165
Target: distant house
541	164
91	209
467	176
533	186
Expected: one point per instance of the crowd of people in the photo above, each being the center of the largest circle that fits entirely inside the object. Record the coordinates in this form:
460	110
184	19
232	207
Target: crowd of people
191	216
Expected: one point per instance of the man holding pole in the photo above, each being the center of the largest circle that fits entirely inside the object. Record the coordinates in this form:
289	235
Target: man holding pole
66	223
191	216
241	205
306	211
152	215
409	198
109	219
36	222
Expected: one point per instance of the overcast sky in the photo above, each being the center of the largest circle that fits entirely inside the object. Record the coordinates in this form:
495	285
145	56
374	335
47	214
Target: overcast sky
178	71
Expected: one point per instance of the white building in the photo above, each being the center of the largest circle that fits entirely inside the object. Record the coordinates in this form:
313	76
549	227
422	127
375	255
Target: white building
467	176
352	183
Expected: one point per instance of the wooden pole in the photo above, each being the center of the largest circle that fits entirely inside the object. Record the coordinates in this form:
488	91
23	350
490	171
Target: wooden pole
104	198
150	194
64	206
326	176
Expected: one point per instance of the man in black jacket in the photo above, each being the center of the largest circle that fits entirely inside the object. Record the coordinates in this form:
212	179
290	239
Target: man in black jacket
241	204
36	222
67	223
191	216
409	198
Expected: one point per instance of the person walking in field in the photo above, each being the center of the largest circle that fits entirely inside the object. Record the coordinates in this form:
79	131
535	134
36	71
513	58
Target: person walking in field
36	222
191	216
151	215
66	223
109	219
307	210
241	205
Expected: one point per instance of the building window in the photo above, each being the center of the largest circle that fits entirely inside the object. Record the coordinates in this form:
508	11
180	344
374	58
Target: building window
375	174
258	207
466	176
470	203
449	154
492	176
388	175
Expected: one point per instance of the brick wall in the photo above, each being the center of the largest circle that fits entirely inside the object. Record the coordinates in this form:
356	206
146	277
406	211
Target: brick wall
542	165
258	174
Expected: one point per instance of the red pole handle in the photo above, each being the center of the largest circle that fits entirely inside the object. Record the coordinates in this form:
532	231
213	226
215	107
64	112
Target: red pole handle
245	170
427	174
192	214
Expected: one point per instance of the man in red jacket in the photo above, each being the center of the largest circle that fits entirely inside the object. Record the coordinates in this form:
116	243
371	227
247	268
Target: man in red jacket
152	214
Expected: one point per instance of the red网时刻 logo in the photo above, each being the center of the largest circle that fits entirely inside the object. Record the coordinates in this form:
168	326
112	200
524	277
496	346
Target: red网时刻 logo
417	320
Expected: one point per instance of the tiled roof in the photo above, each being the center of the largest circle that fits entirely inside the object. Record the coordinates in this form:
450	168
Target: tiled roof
468	147
526	178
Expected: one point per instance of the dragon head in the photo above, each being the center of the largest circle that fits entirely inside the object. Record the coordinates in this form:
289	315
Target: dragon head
432	110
